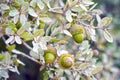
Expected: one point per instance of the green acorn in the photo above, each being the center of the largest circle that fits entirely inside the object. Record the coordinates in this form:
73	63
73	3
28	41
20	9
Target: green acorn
66	61
50	55
77	32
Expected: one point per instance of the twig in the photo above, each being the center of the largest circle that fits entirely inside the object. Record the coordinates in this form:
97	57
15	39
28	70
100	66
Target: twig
22	53
26	45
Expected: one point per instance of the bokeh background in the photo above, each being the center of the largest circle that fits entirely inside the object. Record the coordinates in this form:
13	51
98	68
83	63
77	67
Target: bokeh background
109	53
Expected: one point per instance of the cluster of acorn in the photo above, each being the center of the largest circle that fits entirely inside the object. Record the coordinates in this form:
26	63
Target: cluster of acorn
66	61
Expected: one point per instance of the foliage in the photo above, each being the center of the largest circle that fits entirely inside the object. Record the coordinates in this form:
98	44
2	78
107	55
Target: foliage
48	23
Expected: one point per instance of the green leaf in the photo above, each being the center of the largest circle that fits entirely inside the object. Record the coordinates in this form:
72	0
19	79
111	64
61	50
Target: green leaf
13	12
21	30
27	36
69	16
4	7
2	57
40	4
107	36
45	75
39	32
97	69
32	12
11	47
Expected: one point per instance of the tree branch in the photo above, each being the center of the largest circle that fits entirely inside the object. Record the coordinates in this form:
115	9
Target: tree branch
22	53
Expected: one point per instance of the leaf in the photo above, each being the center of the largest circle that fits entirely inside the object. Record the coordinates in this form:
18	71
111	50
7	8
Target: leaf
2	57
45	75
34	55
4	73
27	36
107	36
9	31
16	18
18	40
39	32
40	4
32	12
10	39
11	26
83	65
21	30
69	16
67	33
83	7
24	7
33	3
14	69
105	22
97	69
11	47
98	18
45	19
23	19
13	12
4	7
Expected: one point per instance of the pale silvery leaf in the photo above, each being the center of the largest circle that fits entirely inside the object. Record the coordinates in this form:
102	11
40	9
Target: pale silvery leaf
98	18
62	52
93	7
24	7
4	73
107	36
83	7
88	2
14	69
67	33
18	40
10	39
40	4
34	55
9	31
105	22
69	16
32	12
20	62
97	69
93	38
45	19
23	19
33	3
4	7
35	47
37	21
43	45
13	12
16	19
48	3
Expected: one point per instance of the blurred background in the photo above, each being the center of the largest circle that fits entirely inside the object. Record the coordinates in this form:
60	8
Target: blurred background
109	53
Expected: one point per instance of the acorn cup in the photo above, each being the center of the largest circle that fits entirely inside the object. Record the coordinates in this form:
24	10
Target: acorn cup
50	55
77	32
66	61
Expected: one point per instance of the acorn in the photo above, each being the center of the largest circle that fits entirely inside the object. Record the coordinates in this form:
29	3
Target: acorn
50	55
66	61
77	32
